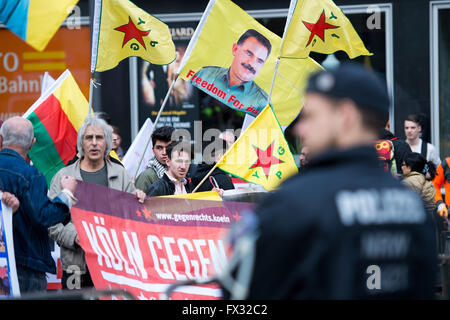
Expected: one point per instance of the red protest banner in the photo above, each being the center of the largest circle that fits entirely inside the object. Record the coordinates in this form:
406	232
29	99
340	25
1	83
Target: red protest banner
145	247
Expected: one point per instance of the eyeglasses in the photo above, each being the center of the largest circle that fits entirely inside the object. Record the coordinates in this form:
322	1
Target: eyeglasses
403	164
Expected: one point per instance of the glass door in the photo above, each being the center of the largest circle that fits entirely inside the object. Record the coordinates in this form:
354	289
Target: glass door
440	75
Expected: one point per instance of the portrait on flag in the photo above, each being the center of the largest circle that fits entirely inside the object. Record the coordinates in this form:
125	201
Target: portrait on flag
250	52
217	63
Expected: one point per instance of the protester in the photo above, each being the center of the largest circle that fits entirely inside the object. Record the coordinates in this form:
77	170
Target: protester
94	143
329	232
117	140
104	116
401	148
442	178
174	181
161	138
414	167
413	129
304	158
35	212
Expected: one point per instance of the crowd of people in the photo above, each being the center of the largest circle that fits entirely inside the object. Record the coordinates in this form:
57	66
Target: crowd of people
317	233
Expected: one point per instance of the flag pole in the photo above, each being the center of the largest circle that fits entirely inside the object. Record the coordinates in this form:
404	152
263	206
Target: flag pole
95	26
91	95
154	124
273	81
221	159
206	177
286	26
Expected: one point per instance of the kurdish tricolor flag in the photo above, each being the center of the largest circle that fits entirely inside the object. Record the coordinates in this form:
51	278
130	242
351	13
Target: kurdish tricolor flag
35	21
261	154
319	26
123	30
56	117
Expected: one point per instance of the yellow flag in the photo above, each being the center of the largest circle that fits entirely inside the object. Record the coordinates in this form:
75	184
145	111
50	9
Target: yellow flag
319	26
35	21
123	30
205	195
239	72
261	154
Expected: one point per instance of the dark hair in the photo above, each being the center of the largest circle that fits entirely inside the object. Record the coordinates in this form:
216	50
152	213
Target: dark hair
162	134
180	145
104	116
258	36
414	118
431	169
116	130
416	162
372	119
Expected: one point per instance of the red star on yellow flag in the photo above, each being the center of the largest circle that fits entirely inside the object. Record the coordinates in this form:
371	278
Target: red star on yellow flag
132	32
318	28
265	159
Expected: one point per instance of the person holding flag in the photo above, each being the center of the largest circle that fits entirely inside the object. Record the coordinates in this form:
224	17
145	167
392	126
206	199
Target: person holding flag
94	142
35	212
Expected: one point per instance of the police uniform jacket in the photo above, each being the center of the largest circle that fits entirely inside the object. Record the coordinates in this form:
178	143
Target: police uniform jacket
344	229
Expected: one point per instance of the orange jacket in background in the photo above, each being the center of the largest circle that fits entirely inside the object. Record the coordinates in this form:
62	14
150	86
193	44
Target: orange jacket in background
442	178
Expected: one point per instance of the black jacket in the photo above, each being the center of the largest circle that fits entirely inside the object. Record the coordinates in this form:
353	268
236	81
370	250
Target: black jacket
323	232
401	148
165	187
222	178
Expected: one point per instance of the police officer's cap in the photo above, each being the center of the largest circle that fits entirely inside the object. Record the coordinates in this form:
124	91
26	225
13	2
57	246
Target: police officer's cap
354	82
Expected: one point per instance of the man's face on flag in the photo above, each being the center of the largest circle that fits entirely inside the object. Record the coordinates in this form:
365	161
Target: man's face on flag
319	124
249	58
94	143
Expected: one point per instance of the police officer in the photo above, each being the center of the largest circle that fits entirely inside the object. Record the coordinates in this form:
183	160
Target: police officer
344	228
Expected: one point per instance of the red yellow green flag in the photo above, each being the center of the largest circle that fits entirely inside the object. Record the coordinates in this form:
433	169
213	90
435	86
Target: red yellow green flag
261	154
56	117
122	30
319	26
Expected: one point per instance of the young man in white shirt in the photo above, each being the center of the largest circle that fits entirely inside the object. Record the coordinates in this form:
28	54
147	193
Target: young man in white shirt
412	131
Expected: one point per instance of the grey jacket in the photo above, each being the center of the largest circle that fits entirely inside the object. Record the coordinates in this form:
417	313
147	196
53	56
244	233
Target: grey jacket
72	256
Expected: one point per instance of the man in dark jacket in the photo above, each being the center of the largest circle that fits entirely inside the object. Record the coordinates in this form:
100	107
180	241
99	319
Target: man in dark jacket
211	156
174	179
36	212
344	228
